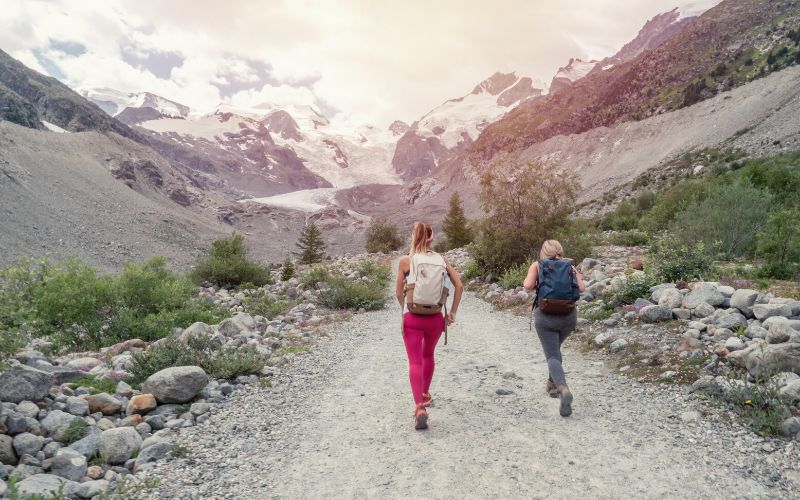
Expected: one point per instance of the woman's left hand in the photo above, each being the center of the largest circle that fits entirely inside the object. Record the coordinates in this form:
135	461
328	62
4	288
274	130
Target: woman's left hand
451	318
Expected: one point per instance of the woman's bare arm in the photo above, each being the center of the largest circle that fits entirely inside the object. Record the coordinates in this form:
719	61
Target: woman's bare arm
459	287
402	268
531	280
581	284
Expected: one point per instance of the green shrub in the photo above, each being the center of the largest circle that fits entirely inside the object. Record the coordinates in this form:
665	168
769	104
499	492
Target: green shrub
77	308
75	431
311	247
287	271
636	286
514	276
760	405
96	384
265	305
526	205
673	260
630	238
315	275
377	273
218	362
577	237
228	265
732	214
382	236
779	244
473	270
670	202
346	294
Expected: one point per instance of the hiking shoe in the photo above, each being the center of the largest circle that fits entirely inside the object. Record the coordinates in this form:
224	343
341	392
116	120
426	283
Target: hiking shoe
551	388
566	401
420	418
427	399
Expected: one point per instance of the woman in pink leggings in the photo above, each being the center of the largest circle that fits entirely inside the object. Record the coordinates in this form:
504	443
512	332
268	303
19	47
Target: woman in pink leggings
421	332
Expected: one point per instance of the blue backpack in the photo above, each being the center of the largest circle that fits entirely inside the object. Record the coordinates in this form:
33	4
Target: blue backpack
558	289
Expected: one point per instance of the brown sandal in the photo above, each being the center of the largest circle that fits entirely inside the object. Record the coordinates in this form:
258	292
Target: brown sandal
427	399
420	418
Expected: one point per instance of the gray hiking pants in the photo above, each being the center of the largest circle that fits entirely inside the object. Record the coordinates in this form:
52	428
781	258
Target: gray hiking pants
553	331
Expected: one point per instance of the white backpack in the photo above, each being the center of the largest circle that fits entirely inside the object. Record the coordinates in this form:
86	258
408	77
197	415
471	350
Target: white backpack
425	290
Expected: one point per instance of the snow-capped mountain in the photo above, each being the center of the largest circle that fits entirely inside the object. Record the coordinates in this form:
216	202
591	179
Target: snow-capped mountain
449	128
115	102
572	72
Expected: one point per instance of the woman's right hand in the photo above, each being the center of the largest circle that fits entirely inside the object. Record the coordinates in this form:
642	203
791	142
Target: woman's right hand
451	318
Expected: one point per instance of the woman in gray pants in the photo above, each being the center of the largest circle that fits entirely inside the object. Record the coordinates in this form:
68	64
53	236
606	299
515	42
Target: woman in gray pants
553	330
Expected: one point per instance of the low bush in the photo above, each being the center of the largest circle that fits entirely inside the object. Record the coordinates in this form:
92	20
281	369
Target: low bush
79	309
228	265
382	236
635	286
375	272
75	431
779	245
760	405
96	384
514	276
630	238
315	275
577	236
346	294
217	361
473	270
265	305
673	260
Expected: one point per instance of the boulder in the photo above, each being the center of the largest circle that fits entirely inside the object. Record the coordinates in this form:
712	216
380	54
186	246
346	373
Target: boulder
683	314
756	332
671	298
141	404
231	327
27	443
117	445
653	314
734	344
84	364
90	443
56	423
773	358
703	310
28	408
77	406
790	427
93	489
703	293
23	383
245	319
177	384
69	464
43	485
153	452
764	311
779	333
104	403
603	339
198	329
657	291
7	454
791	390
726	291
744	299
731	321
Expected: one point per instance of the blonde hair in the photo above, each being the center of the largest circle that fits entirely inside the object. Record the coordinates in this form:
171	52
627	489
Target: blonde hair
420	237
551	249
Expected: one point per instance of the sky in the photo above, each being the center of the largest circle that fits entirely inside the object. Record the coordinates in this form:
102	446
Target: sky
357	61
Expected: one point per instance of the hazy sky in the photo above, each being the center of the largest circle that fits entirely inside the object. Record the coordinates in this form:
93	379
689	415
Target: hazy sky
363	60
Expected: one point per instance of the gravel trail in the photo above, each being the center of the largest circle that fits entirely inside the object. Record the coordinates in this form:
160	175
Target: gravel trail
337	423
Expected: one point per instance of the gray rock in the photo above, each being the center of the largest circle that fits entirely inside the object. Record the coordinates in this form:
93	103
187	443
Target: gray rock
703	293
7	454
671	298
156	422
69	464
703	310
28	408
198	329
153	440
744	300
90	443
690	416
502	391
92	489
790	426
24	471
27	443
731	321
756	332
16	423
764	311
156	451
178	384
117	445
603	339
618	345
44	485
779	333
791	390
683	314
123	389
726	291
653	314
697	325
77	406
23	383
51	448
231	327
175	423
773	358
56	423
734	344
198	409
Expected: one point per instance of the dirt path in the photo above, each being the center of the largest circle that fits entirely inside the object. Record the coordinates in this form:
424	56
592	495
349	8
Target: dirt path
337	424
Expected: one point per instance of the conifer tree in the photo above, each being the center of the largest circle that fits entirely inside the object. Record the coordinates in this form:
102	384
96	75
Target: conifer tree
310	245
455	225
287	272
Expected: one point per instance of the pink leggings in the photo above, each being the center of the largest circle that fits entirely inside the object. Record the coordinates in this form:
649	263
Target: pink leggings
420	334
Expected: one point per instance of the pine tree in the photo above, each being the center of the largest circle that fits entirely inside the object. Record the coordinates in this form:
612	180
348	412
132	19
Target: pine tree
287	272
455	225
310	245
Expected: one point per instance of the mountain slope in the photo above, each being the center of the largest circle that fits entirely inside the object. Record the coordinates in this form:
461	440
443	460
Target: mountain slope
29	99
725	47
450	128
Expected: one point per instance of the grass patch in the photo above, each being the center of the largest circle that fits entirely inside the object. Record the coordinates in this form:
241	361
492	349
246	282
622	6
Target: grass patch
759	405
76	430
265	305
96	385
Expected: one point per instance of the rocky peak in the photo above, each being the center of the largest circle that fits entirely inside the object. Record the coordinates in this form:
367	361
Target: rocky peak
398	127
572	72
496	83
281	123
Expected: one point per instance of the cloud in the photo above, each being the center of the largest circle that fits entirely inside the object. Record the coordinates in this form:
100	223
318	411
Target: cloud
374	61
